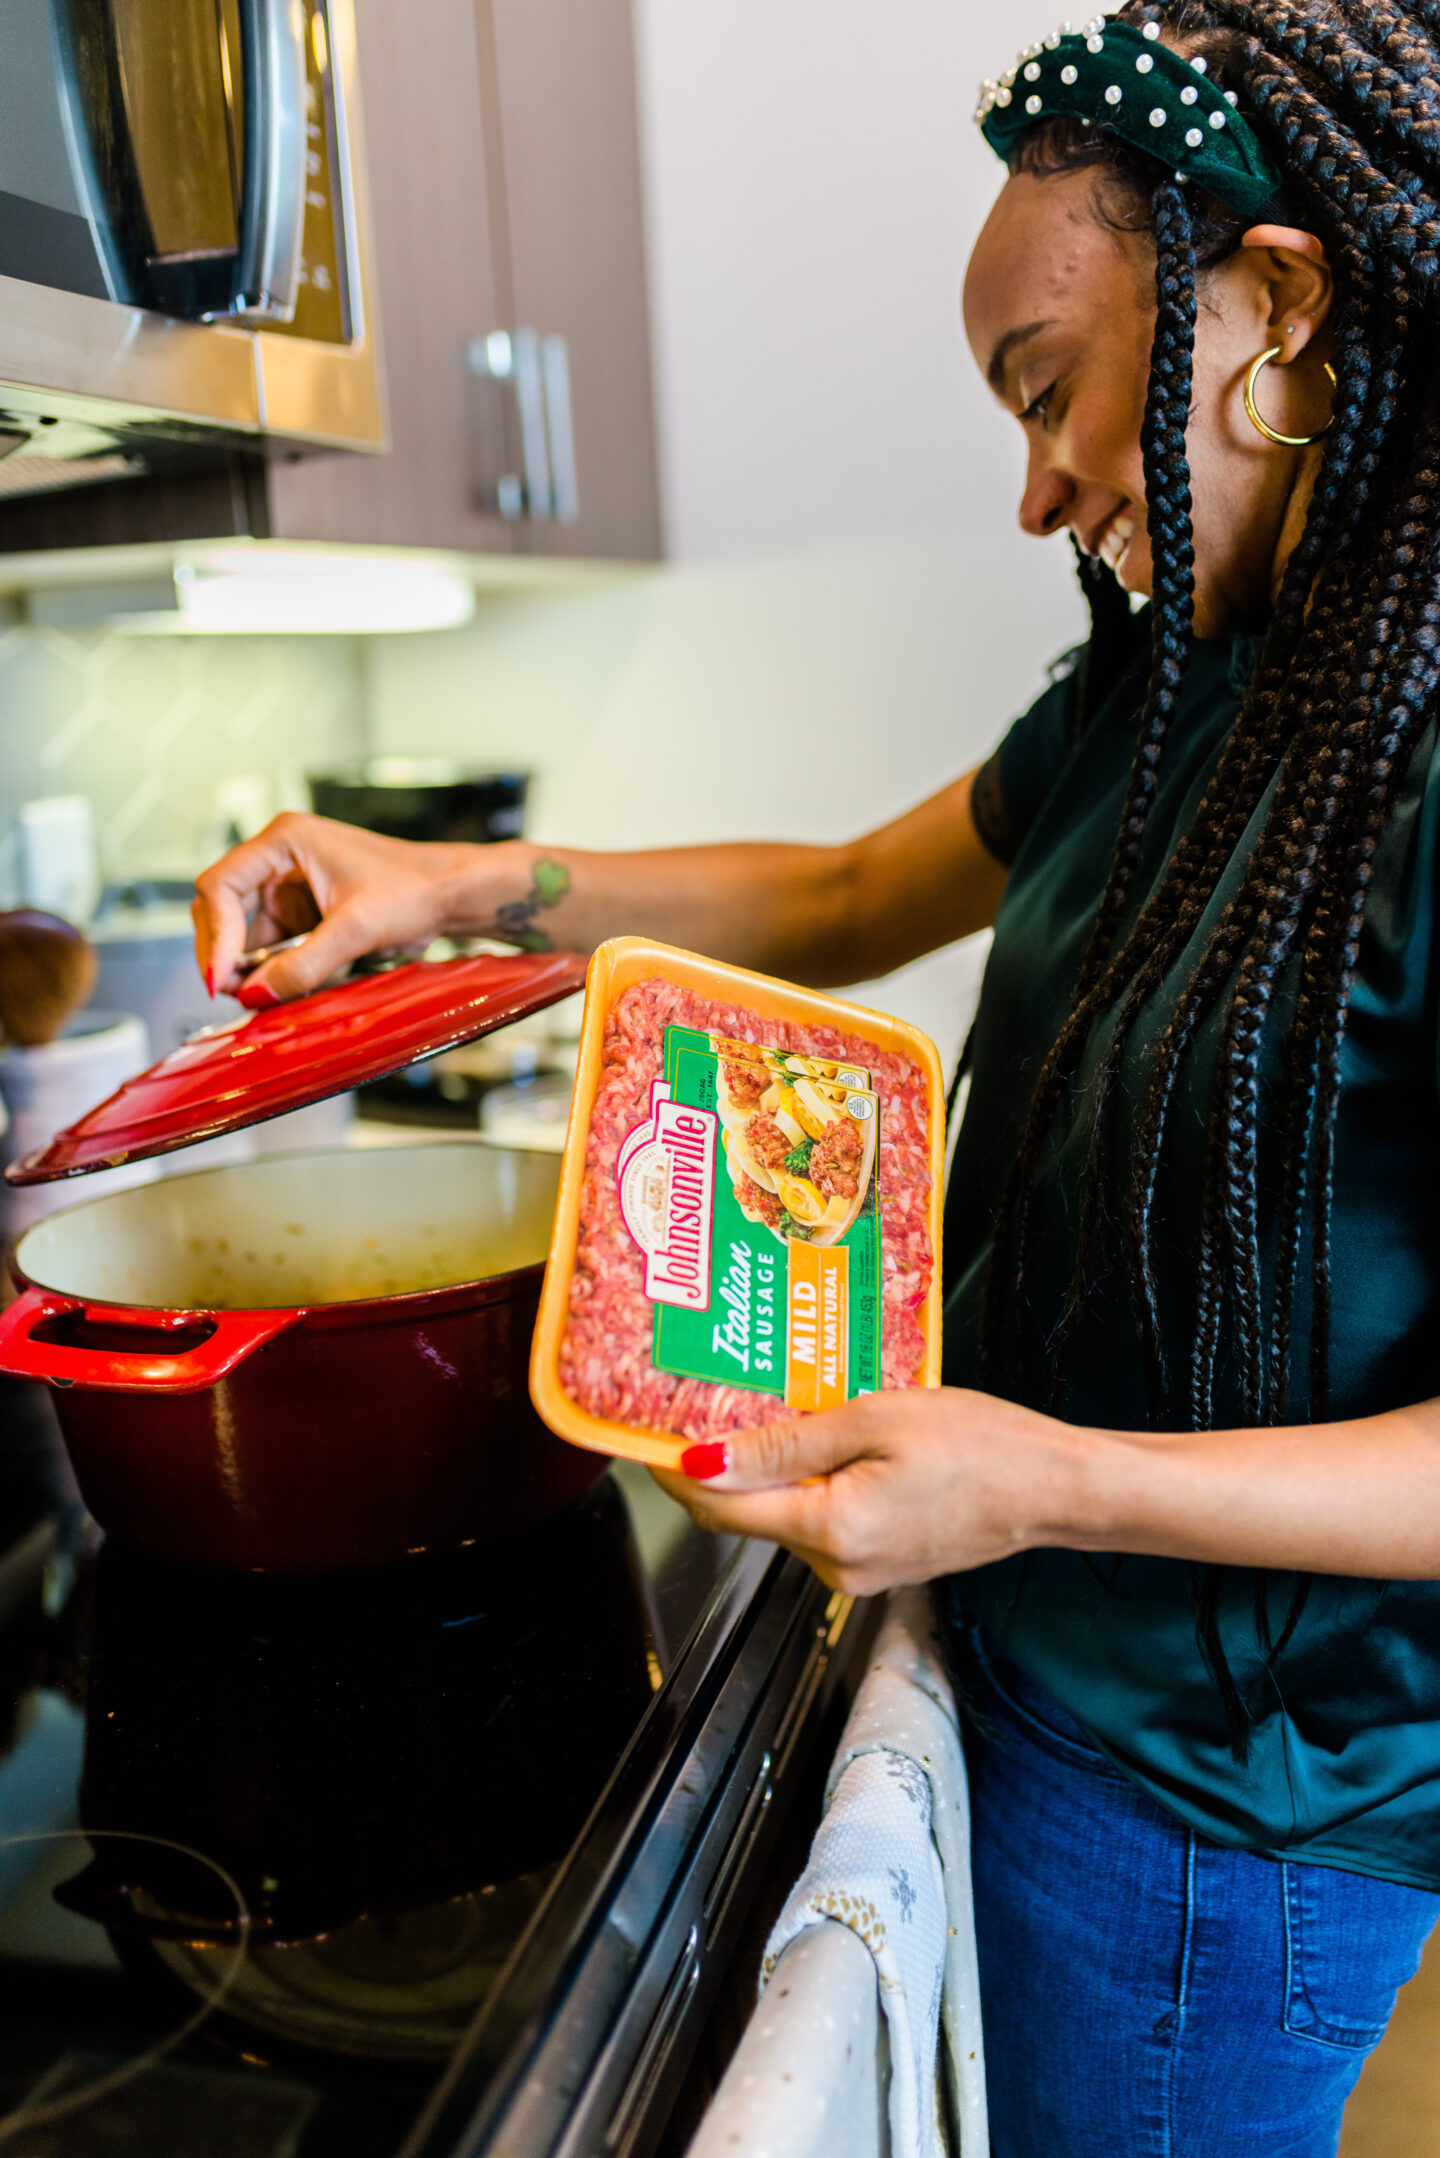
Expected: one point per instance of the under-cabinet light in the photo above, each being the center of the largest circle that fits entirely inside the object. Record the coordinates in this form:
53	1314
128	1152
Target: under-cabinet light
249	592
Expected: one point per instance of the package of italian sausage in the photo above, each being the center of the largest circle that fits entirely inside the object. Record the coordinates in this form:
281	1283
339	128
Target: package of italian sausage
749	1209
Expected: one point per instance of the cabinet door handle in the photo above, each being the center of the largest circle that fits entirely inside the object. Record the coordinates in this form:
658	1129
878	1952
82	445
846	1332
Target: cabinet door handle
272	215
564	486
530	399
538	369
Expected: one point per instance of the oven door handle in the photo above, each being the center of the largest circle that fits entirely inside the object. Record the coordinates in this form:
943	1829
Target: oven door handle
272	214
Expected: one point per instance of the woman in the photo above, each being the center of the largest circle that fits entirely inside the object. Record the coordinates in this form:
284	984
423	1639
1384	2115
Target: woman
1181	1493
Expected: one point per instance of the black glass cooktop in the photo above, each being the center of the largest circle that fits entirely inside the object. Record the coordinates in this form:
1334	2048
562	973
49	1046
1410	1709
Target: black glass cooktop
269	1847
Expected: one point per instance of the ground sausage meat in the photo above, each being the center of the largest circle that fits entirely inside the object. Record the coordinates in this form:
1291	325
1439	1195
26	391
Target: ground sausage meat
767	1142
759	1204
605	1355
835	1159
746	1083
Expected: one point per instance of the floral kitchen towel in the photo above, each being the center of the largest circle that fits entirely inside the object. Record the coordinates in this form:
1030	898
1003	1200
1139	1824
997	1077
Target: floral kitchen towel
874	1867
891	1860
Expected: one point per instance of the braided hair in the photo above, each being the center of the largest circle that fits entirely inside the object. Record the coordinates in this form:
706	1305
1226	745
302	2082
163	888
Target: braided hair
1347	93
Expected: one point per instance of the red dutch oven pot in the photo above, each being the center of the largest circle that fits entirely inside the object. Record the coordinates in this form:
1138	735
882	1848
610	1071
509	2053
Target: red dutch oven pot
306	1361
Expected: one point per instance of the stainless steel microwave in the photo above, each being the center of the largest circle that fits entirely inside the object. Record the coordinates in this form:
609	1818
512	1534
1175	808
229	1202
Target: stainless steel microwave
183	254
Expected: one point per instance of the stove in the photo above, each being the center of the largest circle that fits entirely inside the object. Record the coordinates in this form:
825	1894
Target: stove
444	1859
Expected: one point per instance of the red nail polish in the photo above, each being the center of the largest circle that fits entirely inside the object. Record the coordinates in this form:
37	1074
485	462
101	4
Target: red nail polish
256	996
703	1462
210	981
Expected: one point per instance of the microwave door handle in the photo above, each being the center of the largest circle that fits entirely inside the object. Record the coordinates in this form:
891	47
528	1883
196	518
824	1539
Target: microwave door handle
272	214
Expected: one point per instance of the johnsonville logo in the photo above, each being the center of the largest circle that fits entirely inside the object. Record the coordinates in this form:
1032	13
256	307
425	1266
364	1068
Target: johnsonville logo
666	1175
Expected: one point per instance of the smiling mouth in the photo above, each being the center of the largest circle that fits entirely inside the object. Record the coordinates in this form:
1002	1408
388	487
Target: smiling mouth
1114	541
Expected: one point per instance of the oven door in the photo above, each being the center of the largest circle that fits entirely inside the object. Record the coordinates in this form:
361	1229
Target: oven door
181	247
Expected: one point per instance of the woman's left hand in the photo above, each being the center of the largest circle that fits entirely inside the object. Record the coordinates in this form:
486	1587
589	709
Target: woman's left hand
891	1488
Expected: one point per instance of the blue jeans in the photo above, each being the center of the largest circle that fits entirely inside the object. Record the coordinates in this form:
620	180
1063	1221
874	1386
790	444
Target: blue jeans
1146	1993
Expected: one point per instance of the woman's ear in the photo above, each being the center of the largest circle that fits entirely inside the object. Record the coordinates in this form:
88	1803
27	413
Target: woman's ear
1297	289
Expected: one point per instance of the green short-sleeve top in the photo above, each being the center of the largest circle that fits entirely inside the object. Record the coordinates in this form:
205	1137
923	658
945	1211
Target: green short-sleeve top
1344	1767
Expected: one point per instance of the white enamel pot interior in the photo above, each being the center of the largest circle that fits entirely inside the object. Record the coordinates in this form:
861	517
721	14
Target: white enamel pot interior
346	1226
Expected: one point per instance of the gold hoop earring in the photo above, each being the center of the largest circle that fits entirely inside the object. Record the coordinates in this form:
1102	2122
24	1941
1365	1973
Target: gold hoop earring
1262	426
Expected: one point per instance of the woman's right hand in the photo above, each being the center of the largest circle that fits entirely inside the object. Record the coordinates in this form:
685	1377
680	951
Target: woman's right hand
353	892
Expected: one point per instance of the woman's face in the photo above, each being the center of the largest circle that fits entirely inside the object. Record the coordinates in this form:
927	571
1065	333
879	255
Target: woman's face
1060	314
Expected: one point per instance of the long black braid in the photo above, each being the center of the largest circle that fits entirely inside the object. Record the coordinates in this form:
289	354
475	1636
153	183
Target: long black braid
1173	609
1347	93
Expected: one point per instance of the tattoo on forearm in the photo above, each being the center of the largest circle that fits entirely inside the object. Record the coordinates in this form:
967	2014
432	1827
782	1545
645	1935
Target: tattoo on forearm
515	923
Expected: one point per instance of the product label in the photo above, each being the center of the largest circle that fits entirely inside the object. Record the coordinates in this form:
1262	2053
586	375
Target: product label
752	1190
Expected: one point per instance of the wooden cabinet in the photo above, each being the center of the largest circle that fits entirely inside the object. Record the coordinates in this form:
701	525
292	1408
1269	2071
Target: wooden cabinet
565	82
501	146
435	278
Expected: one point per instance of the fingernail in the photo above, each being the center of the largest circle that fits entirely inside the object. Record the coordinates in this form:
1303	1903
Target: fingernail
707	1461
210	982
256	996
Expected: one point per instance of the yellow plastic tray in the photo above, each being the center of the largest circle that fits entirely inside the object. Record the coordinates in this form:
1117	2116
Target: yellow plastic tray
616	967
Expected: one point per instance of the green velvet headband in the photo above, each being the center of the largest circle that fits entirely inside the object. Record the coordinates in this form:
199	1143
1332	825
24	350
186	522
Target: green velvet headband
1112	75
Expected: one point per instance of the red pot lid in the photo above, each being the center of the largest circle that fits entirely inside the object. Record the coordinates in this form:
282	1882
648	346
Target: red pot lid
263	1063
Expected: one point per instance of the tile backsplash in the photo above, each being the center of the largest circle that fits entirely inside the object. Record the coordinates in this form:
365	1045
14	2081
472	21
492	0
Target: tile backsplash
150	729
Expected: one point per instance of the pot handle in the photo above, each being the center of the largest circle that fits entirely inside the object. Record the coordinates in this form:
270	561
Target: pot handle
236	1336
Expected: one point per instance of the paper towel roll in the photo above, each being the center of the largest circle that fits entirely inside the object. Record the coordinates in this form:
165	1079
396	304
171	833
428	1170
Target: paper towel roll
46	1089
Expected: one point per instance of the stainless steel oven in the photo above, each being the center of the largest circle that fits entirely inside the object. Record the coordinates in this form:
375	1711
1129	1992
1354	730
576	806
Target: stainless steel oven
182	239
